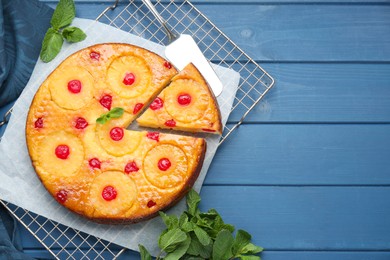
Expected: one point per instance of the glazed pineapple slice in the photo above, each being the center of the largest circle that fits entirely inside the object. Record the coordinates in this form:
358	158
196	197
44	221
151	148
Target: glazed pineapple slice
60	154
71	87
112	193
115	139
165	166
129	76
186	104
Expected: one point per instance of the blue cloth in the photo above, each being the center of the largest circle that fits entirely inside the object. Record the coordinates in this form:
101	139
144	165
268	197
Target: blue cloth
23	24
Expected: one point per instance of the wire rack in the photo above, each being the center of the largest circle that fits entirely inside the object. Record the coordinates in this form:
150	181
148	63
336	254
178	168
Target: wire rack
134	17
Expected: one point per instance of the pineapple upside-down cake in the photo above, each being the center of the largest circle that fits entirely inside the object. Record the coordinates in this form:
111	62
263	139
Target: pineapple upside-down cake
98	168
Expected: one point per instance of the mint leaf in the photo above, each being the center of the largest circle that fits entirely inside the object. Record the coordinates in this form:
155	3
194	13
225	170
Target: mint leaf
51	45
242	239
73	34
251	249
101	120
222	248
193	200
63	14
144	253
202	235
116	112
169	221
180	250
249	257
170	240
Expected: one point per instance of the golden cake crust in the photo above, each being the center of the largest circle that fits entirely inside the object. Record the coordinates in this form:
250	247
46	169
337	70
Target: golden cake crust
105	172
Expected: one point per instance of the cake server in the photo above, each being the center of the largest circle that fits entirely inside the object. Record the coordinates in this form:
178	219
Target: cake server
182	50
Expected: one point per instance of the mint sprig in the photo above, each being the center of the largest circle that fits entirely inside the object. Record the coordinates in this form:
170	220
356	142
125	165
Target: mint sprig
62	17
201	235
116	112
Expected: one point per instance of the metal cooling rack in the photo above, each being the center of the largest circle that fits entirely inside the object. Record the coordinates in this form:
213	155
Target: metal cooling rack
182	17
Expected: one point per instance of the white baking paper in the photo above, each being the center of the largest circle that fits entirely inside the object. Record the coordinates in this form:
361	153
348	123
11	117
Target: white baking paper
19	183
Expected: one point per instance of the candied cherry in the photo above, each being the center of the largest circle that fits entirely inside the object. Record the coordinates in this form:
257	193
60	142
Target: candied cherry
74	86
170	123
81	123
184	99
94	55
38	123
167	65
208	130
116	133
137	108
62	196
106	101
153	135
131	167
62	151
157	104
94	163
109	193
151	203
164	164
129	79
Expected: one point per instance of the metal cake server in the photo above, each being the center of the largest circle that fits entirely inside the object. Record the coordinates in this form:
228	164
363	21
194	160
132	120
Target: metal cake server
182	50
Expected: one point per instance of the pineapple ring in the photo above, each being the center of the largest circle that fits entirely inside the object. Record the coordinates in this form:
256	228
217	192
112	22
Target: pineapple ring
126	145
63	96
125	194
165	177
195	109
51	164
124	65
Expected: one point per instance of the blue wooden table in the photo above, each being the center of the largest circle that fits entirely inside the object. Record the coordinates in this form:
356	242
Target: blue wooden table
308	173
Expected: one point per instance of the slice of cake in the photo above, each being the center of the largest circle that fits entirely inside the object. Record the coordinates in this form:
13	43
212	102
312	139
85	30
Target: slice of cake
187	104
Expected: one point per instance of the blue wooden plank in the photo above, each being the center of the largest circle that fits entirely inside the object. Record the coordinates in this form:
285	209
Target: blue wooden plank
324	93
297	32
266	255
302	154
304	218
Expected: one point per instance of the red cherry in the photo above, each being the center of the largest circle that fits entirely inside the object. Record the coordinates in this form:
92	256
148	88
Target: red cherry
167	65
131	167
151	203
129	79
116	133
170	123
94	163
94	55
164	164
208	130
153	135
62	196
109	193
137	108
81	123
39	123
62	151
106	101
74	86
184	99
157	104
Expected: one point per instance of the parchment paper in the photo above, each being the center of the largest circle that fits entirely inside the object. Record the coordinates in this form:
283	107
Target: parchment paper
19	183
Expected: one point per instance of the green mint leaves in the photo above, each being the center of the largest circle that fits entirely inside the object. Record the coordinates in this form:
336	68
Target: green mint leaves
62	17
116	112
201	235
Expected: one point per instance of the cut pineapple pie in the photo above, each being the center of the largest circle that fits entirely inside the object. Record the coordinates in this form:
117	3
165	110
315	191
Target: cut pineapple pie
80	147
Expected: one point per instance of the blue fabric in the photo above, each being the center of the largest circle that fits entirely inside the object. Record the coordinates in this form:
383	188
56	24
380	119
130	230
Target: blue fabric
23	24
